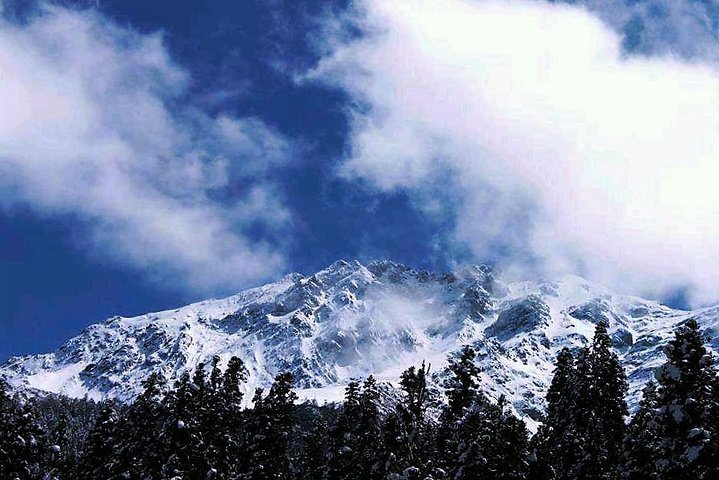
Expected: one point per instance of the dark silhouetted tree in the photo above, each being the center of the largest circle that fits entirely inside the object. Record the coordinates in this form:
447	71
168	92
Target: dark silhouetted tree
584	428
684	406
270	425
641	443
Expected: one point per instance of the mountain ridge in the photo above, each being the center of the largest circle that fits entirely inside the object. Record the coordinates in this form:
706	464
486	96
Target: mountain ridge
349	320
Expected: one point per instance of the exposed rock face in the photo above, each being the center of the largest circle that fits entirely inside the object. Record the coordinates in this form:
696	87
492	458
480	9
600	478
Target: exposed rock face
348	321
519	316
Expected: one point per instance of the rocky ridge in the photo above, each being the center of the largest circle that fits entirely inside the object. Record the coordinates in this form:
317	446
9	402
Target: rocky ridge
349	320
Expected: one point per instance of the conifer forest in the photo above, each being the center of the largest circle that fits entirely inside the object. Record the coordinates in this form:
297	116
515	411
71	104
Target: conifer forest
202	428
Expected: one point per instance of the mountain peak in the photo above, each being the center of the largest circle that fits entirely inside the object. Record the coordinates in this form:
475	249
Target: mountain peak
348	321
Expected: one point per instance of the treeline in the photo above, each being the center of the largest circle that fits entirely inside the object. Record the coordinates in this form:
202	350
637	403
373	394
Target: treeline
198	428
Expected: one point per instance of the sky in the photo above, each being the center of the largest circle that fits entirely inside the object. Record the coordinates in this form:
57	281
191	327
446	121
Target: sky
154	156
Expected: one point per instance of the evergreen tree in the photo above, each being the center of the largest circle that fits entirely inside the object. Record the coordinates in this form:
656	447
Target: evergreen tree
494	444
343	454
21	438
66	423
139	454
99	458
641	444
506	446
407	437
463	384
312	461
368	433
685	396
556	444
222	419
234	375
414	384
462	394
62	457
584	428
271	423
710	452
215	383
178	429
398	455
209	420
599	409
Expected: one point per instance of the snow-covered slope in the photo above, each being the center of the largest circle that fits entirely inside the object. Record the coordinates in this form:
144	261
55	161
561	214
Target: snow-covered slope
348	321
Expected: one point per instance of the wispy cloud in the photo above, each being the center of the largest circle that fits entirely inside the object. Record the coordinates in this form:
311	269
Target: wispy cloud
683	28
90	126
560	147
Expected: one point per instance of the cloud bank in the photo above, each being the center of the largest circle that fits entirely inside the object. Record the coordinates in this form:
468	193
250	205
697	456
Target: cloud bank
560	148
90	127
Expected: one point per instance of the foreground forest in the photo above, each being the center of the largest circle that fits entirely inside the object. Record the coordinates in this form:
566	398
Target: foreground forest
198	428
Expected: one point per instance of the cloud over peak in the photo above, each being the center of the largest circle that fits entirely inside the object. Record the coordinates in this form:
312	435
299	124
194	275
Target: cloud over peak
561	146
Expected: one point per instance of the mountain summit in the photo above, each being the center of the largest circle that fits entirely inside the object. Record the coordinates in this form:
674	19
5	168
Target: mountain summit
349	320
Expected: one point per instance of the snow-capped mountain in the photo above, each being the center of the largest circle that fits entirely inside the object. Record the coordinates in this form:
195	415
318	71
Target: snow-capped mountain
350	320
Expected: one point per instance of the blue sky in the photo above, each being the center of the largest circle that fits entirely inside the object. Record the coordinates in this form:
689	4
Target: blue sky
151	156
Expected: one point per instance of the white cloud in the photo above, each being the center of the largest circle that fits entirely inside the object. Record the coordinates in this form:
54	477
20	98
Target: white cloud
677	27
86	129
534	105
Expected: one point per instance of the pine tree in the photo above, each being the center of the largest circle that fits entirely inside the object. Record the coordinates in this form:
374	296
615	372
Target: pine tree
177	428
234	375
462	386
20	438
414	384
61	455
462	395
507	449
584	428
271	423
215	383
343	452
494	443
368	433
139	454
641	443
710	452
398	455
600	409
407	437
685	397
222	420
186	409
312	462
555	444
66	423
98	459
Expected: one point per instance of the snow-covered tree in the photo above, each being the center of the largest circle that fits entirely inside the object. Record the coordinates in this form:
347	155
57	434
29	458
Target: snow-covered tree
100	459
584	428
270	425
641	443
684	406
20	438
413	382
493	443
312	461
556	443
408	437
343	451
462	385
600	409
